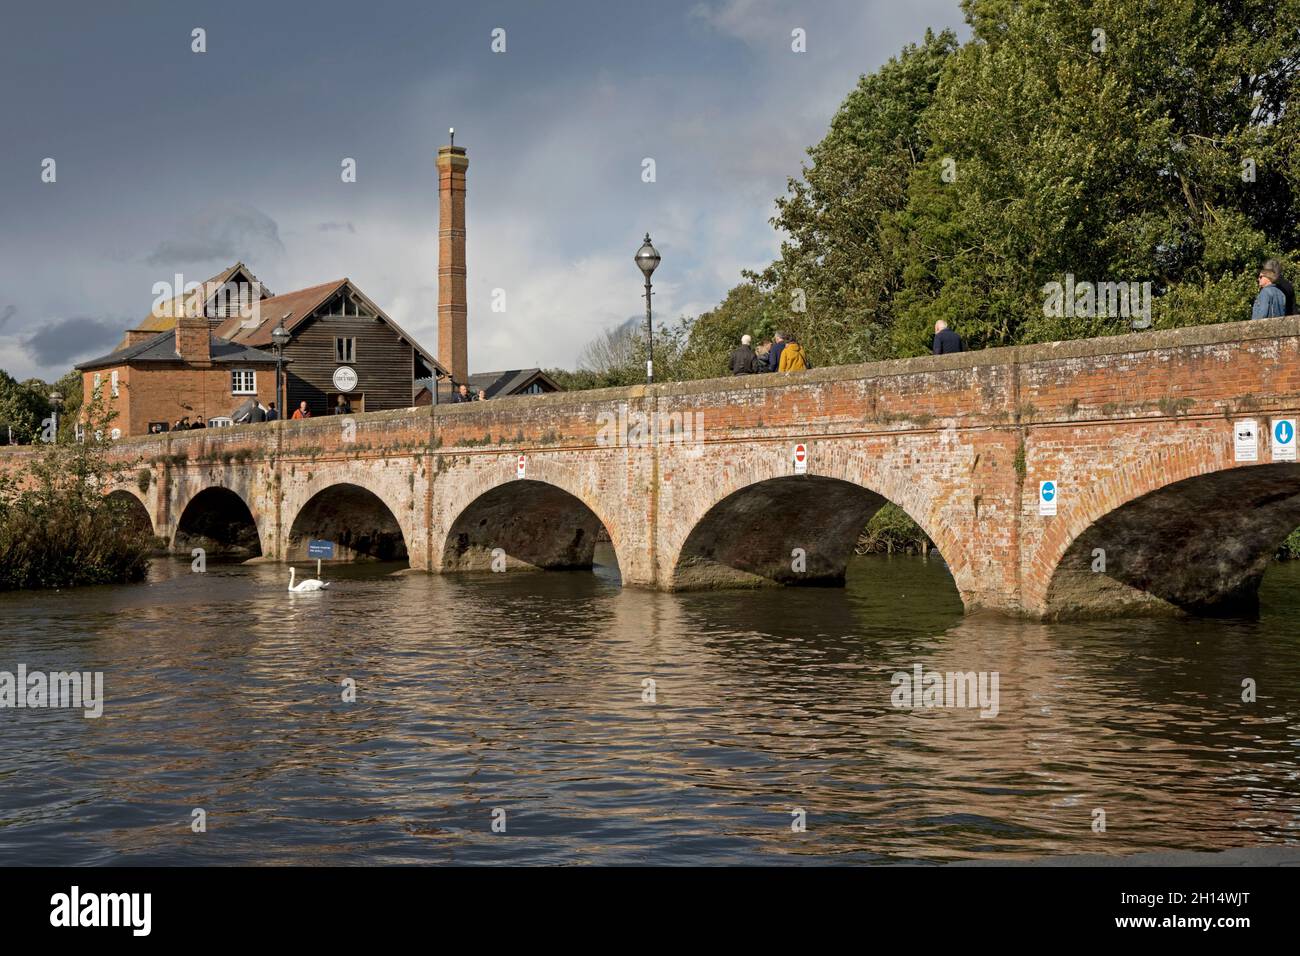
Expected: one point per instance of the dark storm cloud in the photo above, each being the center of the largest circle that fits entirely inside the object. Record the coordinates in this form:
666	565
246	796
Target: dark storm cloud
227	232
58	343
7	313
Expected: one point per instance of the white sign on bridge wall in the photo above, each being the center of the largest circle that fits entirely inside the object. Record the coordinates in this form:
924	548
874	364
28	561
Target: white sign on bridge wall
1283	432
1047	494
1245	440
521	467
800	459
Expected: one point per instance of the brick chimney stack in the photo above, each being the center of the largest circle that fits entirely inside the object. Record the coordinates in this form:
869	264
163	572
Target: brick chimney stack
193	344
453	348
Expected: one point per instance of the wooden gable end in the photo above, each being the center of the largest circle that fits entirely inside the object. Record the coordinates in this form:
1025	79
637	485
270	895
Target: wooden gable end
383	360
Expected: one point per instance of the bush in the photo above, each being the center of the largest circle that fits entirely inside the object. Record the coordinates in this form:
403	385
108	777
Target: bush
58	529
1290	548
891	529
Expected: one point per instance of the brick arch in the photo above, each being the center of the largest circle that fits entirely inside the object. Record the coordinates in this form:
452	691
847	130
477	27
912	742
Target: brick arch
875	481
191	490
369	476
132	491
1212	521
578	484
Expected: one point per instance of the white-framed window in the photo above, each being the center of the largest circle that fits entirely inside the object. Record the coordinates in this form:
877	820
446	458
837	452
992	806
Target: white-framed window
534	389
112	376
243	381
99	382
345	349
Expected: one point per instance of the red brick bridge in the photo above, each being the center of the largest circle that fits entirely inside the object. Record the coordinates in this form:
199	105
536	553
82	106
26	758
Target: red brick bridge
1158	504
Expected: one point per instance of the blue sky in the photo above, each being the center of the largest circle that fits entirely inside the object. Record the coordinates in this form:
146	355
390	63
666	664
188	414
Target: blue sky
170	161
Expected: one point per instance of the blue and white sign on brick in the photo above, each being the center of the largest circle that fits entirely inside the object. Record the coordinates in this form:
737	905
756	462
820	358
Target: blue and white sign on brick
1284	439
1047	498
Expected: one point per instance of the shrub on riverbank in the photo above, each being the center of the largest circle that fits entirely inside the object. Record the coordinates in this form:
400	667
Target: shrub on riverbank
1290	548
58	529
891	531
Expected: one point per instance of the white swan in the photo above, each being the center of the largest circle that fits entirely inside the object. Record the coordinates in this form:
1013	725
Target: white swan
310	584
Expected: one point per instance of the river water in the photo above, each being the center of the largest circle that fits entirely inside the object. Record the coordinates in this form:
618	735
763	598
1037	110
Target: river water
526	693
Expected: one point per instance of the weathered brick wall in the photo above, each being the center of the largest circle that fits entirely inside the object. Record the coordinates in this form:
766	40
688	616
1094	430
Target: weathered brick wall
163	394
961	442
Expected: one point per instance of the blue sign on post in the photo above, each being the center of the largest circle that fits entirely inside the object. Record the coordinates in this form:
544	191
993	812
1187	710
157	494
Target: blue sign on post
320	549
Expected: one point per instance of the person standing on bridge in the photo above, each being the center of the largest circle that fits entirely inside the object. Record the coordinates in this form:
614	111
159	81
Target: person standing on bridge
774	353
302	411
343	406
1270	303
793	357
742	357
462	394
1283	283
946	341
271	413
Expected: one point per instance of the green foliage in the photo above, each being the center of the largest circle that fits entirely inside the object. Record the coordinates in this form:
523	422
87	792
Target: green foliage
57	528
712	337
1290	548
22	409
1121	163
843	217
24	406
891	530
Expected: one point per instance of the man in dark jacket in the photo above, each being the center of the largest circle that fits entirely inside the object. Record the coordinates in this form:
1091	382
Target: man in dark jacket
461	394
742	358
946	341
774	353
1283	284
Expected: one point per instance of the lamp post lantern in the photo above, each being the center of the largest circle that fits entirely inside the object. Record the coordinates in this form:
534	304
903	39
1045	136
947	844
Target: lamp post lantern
647	260
279	339
56	403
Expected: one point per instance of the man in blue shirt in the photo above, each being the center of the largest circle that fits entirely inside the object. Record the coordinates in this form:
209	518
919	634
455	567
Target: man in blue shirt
774	353
1270	303
946	341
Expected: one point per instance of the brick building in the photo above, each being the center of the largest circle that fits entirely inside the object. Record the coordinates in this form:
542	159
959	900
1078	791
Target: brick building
158	377
205	348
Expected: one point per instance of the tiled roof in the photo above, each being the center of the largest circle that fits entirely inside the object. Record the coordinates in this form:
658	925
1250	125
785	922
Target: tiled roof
496	384
162	348
299	306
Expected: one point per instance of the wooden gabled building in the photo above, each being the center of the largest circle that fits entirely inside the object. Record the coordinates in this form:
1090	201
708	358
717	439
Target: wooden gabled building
334	326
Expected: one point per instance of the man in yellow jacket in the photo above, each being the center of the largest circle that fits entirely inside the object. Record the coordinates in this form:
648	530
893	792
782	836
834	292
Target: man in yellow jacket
793	358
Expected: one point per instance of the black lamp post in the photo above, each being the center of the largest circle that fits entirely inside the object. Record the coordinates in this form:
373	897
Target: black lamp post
279	339
56	403
647	259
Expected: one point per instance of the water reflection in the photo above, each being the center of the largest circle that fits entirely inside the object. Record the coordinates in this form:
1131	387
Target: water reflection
524	692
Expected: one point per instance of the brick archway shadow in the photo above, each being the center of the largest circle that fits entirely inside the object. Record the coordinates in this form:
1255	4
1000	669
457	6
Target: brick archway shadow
546	520
361	525
138	507
1179	530
219	520
745	535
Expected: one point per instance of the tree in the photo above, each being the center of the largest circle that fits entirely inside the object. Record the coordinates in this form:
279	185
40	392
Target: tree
1109	141
840	269
22	409
712	337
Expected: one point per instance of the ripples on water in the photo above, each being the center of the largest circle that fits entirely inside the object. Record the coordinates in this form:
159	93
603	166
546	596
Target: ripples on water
523	691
